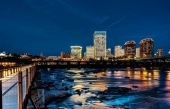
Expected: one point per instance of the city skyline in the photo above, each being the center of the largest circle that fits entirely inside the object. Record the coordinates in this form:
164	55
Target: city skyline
51	27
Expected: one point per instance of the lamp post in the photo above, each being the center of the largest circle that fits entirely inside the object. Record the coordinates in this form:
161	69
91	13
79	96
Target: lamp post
155	54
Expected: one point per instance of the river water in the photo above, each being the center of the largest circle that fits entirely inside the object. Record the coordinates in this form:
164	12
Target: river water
152	91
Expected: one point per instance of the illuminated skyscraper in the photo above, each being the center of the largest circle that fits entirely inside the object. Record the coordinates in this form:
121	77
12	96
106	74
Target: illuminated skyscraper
100	44
89	52
76	52
147	48
130	49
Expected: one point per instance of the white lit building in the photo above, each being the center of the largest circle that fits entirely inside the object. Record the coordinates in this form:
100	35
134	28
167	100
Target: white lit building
100	44
118	51
3	54
76	52
137	52
89	52
122	52
25	56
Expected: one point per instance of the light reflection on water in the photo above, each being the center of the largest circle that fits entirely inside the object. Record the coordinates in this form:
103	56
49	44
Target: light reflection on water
144	79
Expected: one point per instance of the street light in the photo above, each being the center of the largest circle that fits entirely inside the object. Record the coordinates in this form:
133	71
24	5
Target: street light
169	52
155	54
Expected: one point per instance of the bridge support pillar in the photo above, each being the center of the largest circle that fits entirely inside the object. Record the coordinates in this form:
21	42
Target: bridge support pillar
79	65
68	65
20	98
11	71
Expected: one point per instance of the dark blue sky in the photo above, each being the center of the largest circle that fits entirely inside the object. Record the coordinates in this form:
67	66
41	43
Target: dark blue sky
52	26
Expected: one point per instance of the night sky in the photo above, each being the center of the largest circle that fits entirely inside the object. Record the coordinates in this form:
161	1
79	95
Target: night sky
52	26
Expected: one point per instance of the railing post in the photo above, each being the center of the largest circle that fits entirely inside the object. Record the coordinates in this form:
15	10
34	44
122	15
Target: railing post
1	105
20	90
34	71
30	75
27	87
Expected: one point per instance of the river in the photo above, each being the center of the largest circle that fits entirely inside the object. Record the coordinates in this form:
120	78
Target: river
152	91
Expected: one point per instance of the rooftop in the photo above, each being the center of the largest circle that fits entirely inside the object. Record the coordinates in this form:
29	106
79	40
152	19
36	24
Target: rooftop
75	46
130	42
100	32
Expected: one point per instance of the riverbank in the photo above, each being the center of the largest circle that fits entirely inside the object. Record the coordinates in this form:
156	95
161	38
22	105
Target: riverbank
44	92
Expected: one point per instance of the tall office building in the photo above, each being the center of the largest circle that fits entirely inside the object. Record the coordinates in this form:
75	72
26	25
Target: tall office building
76	52
130	49
147	48
137	52
118	51
89	52
100	44
160	52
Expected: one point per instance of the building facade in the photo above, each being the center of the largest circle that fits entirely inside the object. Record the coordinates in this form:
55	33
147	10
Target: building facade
160	52
118	51
89	52
65	55
137	52
76	52
100	44
130	49
146	48
108	53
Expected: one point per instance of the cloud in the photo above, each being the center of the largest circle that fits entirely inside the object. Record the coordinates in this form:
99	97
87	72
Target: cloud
161	33
79	12
149	36
116	22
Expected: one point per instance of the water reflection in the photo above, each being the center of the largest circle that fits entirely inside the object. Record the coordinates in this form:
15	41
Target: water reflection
153	83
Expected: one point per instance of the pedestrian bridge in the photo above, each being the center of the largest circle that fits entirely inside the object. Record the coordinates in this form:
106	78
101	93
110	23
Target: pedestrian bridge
14	86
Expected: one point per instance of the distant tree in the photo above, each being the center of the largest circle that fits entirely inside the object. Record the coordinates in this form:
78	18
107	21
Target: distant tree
15	55
36	56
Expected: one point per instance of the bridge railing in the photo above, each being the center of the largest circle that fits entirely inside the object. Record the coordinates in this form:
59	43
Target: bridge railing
14	86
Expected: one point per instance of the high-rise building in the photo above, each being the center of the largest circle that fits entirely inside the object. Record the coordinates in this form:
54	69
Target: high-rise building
160	52
137	52
118	51
130	49
89	52
147	48
76	52
108	53
100	44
